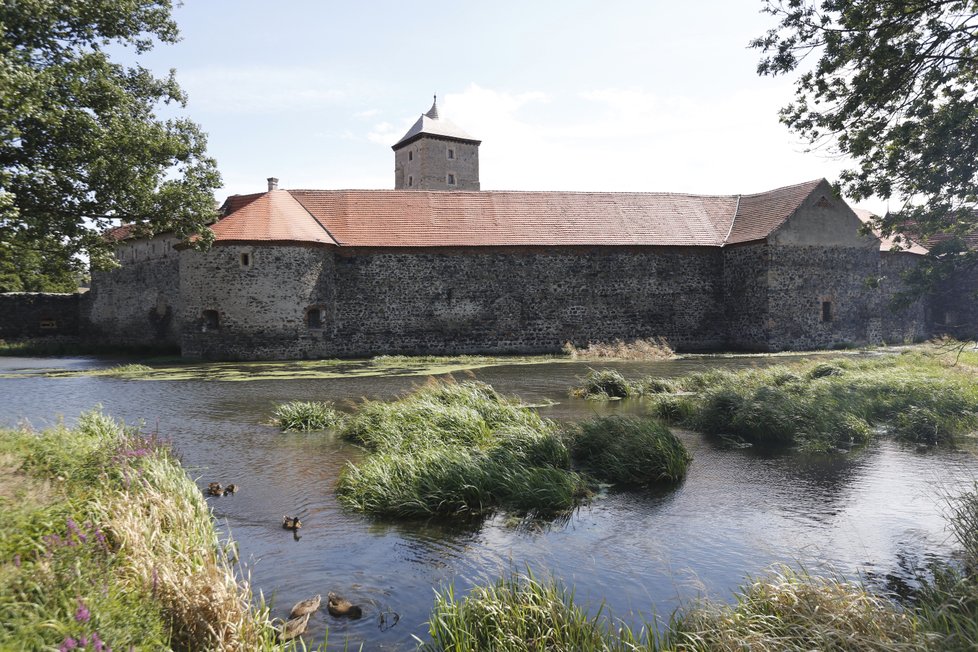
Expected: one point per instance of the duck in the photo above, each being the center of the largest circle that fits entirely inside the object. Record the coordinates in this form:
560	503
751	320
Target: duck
291	523
293	628
337	606
214	489
230	489
306	607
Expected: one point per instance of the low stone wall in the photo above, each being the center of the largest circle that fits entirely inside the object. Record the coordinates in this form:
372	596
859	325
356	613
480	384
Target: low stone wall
36	314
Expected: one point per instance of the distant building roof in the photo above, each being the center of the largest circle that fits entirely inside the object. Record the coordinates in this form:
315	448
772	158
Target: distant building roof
412	218
889	242
429	124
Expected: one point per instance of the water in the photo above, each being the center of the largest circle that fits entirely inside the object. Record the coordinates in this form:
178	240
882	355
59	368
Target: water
873	513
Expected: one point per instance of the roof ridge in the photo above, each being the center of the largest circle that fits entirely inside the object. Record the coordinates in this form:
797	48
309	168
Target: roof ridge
812	182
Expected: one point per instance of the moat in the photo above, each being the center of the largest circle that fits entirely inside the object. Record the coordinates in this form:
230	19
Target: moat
874	513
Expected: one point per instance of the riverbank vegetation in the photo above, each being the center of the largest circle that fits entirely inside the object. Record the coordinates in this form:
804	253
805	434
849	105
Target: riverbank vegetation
106	543
818	405
307	415
648	349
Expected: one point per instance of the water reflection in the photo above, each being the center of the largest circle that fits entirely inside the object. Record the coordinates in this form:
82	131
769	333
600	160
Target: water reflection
872	512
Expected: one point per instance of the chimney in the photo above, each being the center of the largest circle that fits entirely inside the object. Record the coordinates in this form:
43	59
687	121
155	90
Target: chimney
272	183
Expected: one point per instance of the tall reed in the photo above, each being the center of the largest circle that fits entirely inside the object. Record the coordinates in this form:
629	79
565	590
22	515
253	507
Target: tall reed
628	450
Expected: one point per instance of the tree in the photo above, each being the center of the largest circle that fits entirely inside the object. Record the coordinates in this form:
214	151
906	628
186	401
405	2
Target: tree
893	84
81	147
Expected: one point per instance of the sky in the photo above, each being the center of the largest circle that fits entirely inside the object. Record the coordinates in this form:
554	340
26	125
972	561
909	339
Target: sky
619	95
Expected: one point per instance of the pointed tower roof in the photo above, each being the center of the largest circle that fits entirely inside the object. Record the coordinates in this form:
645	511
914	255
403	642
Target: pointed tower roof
430	124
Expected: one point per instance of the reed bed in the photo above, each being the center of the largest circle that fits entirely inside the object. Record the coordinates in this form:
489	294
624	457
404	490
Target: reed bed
307	416
820	405
629	450
604	385
656	348
456	449
107	543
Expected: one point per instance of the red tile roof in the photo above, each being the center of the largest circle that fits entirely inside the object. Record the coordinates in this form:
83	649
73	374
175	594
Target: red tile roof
412	218
272	216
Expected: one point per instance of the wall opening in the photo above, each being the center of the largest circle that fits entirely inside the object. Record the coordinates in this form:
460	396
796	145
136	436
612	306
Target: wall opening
451	154
314	317
451	179
246	259
211	321
826	311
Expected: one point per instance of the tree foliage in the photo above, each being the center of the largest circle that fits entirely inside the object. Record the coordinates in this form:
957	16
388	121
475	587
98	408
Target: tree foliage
891	84
81	146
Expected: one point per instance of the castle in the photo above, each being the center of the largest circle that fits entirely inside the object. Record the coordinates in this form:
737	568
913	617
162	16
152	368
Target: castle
439	266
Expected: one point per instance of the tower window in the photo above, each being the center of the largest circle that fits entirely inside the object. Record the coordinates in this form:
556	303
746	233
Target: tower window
826	311
246	260
451	153
451	179
410	155
410	181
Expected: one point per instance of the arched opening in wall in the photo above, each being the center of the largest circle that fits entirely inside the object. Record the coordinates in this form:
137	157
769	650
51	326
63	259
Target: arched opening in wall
314	317
210	321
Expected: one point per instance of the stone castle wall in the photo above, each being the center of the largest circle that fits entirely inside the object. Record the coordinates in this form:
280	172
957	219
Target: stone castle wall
900	325
138	303
447	301
745	292
39	314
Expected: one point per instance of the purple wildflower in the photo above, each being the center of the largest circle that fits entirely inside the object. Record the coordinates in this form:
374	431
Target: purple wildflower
16	561
82	614
68	644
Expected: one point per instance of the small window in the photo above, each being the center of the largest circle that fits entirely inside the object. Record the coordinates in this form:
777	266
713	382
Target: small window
314	317
451	179
211	321
410	181
451	154
245	259
410	155
826	311
48	324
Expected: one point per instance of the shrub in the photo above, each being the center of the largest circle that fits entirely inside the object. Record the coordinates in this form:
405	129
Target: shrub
307	415
629	450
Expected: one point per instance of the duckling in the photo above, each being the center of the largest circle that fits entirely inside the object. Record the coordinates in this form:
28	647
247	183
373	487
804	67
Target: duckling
291	523
337	606
230	489
214	488
305	607
293	628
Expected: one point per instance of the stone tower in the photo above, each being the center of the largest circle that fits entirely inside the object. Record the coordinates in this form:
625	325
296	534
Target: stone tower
436	155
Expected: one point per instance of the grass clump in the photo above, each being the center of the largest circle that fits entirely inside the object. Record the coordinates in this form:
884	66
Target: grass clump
455	449
606	384
629	450
519	614
790	611
104	540
307	415
639	349
824	405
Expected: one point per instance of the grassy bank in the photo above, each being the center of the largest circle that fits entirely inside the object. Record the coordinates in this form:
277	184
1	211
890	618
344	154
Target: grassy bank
818	405
104	541
456	449
628	450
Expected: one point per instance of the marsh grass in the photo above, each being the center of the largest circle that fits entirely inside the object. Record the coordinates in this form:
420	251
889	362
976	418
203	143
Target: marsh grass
629	450
639	349
604	385
518	614
790	611
819	406
456	449
307	415
103	538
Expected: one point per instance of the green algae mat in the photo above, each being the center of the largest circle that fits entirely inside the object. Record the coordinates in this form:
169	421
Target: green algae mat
292	369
